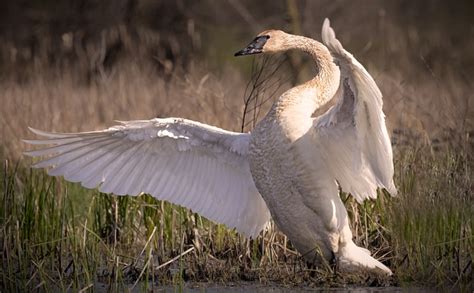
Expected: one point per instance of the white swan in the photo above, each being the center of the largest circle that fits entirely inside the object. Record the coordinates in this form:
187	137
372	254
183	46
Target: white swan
290	166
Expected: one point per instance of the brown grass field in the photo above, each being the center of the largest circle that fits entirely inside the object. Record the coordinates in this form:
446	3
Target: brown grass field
57	235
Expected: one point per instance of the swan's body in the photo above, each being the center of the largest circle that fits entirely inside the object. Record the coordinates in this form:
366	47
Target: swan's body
296	162
296	159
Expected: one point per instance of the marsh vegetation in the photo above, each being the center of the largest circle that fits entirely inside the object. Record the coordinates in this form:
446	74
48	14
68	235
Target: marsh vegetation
58	235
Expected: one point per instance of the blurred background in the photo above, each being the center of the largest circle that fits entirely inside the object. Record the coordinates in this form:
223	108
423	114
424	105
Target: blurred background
81	64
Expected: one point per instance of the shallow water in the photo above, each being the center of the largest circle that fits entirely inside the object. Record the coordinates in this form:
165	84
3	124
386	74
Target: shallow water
276	289
258	288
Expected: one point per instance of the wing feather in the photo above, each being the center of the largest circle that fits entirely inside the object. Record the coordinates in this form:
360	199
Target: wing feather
76	161
352	138
151	175
171	180
121	169
136	173
188	163
195	169
103	166
182	178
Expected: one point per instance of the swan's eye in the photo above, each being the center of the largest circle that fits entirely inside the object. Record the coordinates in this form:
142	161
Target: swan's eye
260	41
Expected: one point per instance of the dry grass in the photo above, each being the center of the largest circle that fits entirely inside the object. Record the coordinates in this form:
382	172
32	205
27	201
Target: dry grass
57	101
59	235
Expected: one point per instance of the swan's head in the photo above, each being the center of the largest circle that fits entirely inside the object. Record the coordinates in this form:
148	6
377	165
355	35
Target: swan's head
270	41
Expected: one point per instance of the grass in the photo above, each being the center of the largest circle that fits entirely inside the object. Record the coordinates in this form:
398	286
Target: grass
57	235
434	218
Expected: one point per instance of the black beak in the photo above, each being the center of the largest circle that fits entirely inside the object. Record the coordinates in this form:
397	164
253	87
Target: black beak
255	47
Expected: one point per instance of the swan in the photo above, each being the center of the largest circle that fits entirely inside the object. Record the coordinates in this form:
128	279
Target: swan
289	168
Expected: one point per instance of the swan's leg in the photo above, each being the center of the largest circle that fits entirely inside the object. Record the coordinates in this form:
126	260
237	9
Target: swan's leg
324	218
351	257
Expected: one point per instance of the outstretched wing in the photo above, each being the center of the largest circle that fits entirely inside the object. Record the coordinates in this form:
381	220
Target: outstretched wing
194	165
352	134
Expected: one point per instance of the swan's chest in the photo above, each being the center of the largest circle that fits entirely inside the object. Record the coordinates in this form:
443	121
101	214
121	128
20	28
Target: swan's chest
274	157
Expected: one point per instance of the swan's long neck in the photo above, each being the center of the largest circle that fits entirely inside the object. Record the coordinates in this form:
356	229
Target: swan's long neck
304	99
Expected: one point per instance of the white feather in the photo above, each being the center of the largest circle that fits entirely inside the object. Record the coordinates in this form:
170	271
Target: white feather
296	160
179	160
351	137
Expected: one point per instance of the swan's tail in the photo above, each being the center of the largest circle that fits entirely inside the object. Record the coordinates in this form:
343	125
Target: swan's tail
354	258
